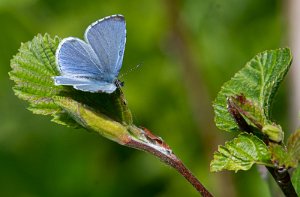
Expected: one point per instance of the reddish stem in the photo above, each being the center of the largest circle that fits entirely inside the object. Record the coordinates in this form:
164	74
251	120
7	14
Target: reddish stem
170	159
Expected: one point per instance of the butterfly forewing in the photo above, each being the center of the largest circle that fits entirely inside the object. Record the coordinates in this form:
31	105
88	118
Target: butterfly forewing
107	37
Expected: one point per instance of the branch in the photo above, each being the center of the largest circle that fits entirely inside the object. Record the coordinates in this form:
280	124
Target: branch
283	180
157	147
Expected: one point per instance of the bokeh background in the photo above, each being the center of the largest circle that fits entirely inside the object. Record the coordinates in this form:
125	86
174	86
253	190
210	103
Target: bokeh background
186	49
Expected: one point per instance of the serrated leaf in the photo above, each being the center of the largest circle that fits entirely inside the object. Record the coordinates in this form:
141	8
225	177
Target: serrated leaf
293	146
240	154
281	156
258	81
248	109
32	70
296	180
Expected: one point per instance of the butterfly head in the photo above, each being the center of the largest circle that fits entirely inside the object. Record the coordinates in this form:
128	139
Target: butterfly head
119	83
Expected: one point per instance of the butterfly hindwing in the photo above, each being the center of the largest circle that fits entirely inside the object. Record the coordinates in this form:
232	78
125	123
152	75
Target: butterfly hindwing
76	57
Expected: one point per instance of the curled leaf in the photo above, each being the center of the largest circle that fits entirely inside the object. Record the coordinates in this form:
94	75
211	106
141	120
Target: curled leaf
258	81
91	120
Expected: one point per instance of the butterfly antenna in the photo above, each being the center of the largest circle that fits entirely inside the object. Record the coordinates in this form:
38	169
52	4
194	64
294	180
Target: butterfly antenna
129	71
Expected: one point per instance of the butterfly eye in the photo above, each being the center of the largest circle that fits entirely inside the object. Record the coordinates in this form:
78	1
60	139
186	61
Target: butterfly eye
119	83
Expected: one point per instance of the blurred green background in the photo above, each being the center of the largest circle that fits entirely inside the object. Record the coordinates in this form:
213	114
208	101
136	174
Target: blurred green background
187	50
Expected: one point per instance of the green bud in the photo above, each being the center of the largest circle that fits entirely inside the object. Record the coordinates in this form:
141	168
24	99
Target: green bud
274	132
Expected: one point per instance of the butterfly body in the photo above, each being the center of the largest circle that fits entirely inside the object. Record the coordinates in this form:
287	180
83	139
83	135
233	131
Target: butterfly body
93	65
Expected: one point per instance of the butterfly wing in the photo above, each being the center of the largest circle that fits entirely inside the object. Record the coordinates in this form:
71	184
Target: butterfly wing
86	84
76	57
80	67
107	37
93	66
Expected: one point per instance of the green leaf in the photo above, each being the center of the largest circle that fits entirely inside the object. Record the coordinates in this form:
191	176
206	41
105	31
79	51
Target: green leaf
240	154
94	121
288	156
248	109
293	145
113	105
33	69
258	81
281	156
296	180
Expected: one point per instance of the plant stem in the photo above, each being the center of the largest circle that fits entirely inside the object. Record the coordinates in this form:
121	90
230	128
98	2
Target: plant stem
283	179
165	154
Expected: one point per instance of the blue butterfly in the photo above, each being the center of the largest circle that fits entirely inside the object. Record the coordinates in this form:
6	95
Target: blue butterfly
93	65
